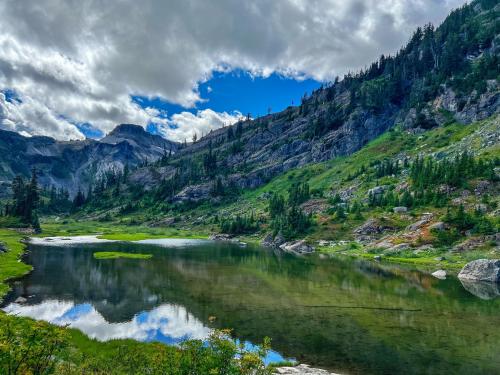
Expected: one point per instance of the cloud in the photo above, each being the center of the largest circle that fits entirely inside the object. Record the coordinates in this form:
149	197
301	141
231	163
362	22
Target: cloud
82	60
182	126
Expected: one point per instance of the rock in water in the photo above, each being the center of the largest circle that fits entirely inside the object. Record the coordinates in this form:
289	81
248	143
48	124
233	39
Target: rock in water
481	270
440	274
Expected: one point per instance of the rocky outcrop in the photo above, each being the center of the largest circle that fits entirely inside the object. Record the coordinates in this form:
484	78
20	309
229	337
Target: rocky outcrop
193	193
299	247
481	270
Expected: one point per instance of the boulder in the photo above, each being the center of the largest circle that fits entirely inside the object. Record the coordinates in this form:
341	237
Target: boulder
377	190
378	258
270	241
439	226
439	274
481	270
297	247
400	209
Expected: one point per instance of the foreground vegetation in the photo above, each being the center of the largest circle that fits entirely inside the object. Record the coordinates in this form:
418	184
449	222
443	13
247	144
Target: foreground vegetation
34	347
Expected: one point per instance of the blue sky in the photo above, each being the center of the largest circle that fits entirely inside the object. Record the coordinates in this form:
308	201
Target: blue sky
235	91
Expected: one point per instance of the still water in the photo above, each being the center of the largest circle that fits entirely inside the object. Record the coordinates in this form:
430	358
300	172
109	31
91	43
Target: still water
342	314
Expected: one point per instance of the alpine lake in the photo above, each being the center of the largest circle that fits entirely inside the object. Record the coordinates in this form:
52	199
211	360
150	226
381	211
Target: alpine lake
343	314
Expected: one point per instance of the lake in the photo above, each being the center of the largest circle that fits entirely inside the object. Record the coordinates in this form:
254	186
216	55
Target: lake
343	314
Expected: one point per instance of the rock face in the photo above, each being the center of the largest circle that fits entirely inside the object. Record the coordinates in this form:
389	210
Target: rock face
301	370
481	270
297	247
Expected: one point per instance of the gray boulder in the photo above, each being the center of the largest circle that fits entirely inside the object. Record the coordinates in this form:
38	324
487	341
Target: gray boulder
481	270
439	226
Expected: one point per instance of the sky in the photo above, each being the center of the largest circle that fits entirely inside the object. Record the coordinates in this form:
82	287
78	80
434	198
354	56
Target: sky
77	68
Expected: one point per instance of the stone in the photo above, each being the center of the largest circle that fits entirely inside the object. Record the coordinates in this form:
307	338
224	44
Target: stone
297	247
20	300
481	270
275	242
301	370
439	226
419	224
400	209
439	259
439	274
378	258
377	190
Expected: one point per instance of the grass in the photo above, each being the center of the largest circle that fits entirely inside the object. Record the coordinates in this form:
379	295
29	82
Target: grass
10	263
119	255
114	231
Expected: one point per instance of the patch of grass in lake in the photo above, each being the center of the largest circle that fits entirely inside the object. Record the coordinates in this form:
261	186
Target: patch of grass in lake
118	255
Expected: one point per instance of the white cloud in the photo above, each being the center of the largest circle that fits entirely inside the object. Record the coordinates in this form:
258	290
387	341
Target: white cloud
83	59
182	126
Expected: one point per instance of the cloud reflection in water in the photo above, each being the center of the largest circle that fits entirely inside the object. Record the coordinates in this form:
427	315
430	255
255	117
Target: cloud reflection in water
167	323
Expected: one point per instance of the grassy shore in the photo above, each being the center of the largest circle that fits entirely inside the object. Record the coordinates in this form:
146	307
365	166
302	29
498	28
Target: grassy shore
10	263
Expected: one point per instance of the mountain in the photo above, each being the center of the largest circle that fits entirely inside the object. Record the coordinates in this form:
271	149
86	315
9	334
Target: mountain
441	75
75	164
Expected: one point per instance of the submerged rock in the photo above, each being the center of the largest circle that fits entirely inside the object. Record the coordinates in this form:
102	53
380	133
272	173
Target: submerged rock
481	270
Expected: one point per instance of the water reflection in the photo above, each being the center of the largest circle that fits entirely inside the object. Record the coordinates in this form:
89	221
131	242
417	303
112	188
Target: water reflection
170	324
346	315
